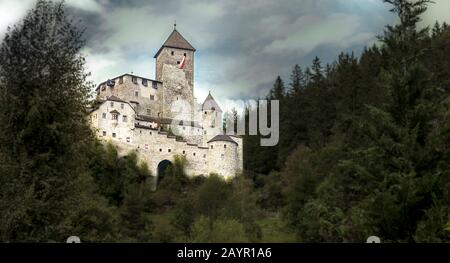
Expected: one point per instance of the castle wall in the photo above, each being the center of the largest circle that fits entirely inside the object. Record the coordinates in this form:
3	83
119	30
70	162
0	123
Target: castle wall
106	127
148	97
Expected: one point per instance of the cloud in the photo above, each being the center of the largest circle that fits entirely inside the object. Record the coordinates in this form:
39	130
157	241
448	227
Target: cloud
241	45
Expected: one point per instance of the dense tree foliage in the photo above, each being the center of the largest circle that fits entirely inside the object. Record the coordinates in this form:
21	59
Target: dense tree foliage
363	147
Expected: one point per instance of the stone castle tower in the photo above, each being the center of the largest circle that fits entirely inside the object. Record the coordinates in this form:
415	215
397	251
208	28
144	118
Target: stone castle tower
137	114
175	69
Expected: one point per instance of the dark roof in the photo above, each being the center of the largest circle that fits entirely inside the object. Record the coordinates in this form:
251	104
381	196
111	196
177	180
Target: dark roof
127	74
176	40
114	98
222	138
114	111
210	103
167	121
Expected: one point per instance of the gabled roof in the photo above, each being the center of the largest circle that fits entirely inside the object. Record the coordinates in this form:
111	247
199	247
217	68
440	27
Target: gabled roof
211	104
222	138
176	40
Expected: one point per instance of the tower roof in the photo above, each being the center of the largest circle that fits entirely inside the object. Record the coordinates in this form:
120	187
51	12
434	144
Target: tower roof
176	40
211	104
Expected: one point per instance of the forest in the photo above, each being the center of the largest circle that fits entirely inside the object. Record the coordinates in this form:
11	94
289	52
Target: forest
363	151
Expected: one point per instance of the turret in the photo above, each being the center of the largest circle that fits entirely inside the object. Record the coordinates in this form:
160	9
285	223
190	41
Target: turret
211	117
223	156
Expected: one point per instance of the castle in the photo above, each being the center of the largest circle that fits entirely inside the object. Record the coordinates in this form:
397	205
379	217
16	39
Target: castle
161	118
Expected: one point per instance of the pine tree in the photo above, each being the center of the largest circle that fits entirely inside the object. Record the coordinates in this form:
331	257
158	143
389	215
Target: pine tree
44	132
400	163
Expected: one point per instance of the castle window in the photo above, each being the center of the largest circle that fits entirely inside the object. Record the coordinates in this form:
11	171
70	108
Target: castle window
144	82
172	53
178	62
121	80
122	106
114	135
154	85
112	104
224	146
169	150
124	118
205	132
150	133
212	146
152	97
104	133
204	155
128	139
184	152
104	115
134	80
160	150
222	156
136	94
146	146
194	154
115	116
206	112
184	54
149	111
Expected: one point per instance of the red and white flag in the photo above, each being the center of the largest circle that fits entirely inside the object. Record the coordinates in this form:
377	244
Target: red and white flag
183	63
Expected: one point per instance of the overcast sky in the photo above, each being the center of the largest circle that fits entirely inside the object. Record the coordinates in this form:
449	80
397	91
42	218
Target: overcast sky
241	45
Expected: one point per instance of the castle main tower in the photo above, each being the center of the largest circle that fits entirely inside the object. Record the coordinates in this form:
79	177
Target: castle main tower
175	69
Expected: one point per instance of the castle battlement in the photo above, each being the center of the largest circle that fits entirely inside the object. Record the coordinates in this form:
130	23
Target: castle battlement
135	114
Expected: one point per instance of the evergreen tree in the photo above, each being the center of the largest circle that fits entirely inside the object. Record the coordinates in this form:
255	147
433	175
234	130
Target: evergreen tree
44	132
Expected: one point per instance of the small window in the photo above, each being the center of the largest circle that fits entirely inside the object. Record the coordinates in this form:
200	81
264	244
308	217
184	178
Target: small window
104	115
114	135
146	146
194	154
222	156
154	85
169	150
112	104
151	133
184	152
104	133
184	128
172	53
134	80
144	82
212	146
178	62
121	80
136	93
184	54
124	118
160	150
122	106
152	97
128	139
204	155
149	111
224	146
115	116
206	112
